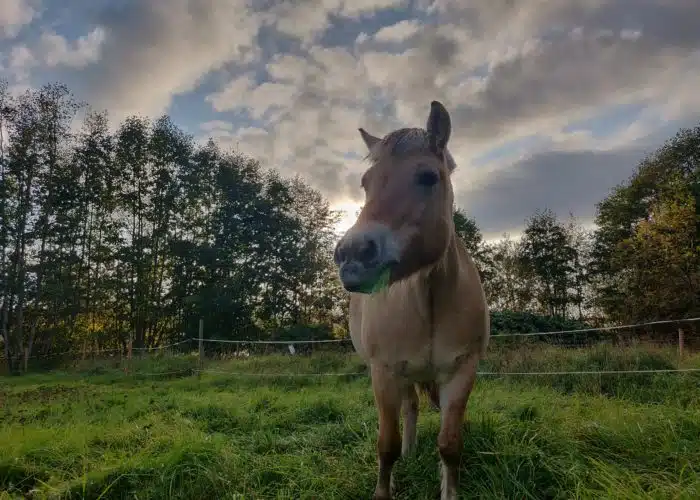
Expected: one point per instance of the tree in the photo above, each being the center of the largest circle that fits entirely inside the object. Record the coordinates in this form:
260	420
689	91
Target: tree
469	232
138	234
98	234
36	194
663	260
581	242
547	253
667	178
511	284
6	190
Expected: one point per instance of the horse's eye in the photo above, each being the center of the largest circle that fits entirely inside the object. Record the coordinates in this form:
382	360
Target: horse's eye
427	178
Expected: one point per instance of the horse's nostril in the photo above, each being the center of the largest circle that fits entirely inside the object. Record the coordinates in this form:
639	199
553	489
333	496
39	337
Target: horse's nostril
369	251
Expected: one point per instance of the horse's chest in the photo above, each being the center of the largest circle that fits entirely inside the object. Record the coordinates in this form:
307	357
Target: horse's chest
401	338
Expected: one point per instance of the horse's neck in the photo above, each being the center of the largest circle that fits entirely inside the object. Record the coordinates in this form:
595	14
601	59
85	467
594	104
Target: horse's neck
445	267
442	277
425	286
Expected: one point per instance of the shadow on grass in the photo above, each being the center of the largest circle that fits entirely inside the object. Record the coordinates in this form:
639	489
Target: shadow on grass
19	479
185	474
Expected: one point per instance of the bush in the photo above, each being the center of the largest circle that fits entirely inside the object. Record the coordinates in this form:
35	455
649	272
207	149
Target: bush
507	322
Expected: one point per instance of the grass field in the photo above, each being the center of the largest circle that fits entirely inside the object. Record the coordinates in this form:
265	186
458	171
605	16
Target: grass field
95	433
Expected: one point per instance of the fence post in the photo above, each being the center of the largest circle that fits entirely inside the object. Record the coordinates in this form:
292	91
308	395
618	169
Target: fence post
26	358
681	341
201	348
129	351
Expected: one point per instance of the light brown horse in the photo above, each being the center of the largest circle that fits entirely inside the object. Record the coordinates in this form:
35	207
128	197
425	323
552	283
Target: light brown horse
429	326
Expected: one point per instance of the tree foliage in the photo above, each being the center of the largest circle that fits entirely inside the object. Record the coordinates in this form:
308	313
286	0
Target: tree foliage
646	254
468	231
139	233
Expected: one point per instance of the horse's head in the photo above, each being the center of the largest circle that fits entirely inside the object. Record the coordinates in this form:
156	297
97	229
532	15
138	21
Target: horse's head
406	222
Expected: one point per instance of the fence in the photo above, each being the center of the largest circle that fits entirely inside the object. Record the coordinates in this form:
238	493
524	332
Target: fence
654	347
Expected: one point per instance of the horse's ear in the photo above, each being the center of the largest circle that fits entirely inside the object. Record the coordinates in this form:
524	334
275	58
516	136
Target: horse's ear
439	127
369	139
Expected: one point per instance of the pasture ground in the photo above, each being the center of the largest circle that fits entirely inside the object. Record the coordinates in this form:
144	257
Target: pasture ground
93	432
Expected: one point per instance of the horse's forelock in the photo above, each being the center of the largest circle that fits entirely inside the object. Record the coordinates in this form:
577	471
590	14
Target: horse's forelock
406	141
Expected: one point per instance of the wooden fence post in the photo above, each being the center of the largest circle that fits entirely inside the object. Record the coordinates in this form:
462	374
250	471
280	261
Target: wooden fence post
201	348
681	342
26	359
129	351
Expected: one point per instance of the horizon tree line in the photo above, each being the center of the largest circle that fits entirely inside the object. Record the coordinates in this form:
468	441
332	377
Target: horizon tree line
138	233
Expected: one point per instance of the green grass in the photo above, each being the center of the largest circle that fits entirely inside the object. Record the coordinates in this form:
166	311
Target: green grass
92	432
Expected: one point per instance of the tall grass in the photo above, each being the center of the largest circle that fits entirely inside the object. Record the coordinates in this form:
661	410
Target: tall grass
161	432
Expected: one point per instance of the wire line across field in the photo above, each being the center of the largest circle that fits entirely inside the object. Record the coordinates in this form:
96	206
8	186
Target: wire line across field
500	335
356	374
200	367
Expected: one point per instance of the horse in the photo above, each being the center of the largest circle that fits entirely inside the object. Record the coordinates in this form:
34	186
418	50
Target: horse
418	315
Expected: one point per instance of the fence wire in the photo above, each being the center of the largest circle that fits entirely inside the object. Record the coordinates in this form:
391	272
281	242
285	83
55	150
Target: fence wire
480	373
500	335
185	351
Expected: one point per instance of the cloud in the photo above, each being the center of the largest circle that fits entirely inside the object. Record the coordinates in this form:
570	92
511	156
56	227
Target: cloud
568	174
398	32
310	110
157	49
242	92
565	181
505	70
21	62
216	125
58	51
14	15
550	100
307	20
569	76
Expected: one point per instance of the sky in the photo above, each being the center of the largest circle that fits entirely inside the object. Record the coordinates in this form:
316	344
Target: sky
553	102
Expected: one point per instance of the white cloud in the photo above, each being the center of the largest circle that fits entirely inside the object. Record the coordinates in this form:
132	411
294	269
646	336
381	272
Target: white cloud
158	49
81	52
397	32
286	67
21	62
233	94
500	84
215	125
14	15
307	20
355	8
242	93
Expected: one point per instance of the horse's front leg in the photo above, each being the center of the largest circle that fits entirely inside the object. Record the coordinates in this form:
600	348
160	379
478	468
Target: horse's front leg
453	402
387	396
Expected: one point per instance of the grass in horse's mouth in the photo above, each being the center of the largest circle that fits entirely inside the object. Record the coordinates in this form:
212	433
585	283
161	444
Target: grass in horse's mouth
379	283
